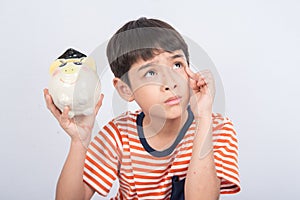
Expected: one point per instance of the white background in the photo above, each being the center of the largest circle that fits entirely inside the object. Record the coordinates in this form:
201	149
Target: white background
254	44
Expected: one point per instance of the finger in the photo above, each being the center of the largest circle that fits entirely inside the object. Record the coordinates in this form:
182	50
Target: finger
99	104
209	79
191	74
46	94
207	90
204	89
45	90
193	79
206	77
50	105
201	81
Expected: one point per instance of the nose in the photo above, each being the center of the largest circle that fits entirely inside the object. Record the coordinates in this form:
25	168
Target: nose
170	87
169	81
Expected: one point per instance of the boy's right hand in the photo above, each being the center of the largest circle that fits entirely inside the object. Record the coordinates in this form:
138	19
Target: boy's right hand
79	128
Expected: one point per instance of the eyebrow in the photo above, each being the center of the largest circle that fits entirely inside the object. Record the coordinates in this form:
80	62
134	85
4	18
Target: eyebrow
152	63
177	56
146	65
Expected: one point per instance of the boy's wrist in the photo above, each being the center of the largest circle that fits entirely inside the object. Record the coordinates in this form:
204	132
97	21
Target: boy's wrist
203	116
203	126
200	112
79	143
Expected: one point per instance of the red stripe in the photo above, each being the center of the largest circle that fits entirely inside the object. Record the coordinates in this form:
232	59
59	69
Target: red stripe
90	178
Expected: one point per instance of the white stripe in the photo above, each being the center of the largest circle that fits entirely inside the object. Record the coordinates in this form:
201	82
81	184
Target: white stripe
180	166
227	172
155	186
222	145
221	159
223	133
151	161
228	179
140	152
128	120
227	154
231	167
125	129
156	197
148	167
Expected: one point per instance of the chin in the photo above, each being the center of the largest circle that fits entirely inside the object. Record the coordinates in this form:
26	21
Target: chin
175	112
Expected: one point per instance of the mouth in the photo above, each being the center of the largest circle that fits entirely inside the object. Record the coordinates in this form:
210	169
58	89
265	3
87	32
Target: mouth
173	100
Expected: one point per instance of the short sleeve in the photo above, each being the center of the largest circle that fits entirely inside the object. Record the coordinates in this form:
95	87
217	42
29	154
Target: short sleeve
102	159
226	154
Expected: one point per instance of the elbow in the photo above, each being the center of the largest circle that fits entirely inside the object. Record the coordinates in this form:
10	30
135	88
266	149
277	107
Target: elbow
203	195
203	191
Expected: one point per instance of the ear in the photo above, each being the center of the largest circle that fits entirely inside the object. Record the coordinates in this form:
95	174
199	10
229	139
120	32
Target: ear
123	89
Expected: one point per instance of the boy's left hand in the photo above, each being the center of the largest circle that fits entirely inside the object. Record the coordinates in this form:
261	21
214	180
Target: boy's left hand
203	92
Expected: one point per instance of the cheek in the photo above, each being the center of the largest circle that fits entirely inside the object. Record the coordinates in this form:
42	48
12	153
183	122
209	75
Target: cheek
147	94
145	90
145	86
182	78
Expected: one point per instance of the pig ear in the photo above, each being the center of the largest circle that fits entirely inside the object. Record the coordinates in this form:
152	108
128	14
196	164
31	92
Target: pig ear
90	62
55	65
123	89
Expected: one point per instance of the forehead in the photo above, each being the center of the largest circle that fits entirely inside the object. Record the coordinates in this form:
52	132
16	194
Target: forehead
160	57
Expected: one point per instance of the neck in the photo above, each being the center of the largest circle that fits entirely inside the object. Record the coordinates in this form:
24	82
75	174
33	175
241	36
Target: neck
161	127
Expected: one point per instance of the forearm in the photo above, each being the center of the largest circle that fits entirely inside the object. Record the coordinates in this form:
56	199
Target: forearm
70	184
201	180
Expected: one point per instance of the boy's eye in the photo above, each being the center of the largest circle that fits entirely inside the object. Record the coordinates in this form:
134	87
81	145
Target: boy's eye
177	66
150	73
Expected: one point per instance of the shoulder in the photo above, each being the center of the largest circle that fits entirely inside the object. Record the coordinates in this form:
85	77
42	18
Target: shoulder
126	117
220	118
122	124
113	133
222	122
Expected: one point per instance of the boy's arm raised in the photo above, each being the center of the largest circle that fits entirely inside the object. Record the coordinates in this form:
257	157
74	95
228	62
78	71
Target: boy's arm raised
201	180
70	183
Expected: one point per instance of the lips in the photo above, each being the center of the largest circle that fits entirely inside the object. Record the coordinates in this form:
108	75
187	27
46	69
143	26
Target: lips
173	100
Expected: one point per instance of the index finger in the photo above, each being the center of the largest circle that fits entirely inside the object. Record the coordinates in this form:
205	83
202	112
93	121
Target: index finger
191	74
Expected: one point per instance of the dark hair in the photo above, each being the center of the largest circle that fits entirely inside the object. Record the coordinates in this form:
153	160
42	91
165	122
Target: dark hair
141	39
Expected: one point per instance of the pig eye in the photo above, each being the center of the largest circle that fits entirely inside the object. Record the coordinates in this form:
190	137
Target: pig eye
78	63
62	64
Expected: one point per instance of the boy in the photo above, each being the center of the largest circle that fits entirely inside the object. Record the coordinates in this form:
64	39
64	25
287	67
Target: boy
163	151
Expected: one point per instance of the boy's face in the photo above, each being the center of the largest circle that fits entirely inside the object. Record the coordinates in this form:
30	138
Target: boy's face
160	85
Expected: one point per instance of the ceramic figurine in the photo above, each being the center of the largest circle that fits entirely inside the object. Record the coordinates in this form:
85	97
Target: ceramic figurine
75	83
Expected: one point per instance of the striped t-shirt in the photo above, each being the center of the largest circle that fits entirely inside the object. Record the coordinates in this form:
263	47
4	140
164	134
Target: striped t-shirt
119	151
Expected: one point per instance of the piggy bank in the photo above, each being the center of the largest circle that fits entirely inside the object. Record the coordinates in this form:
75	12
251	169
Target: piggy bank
74	82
